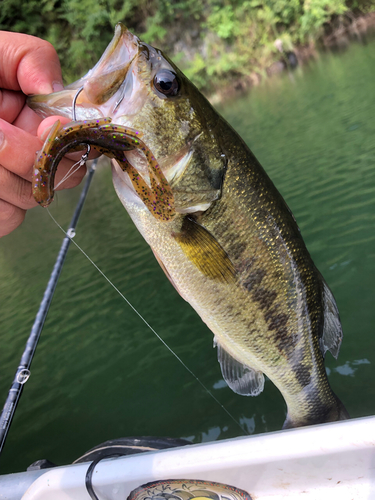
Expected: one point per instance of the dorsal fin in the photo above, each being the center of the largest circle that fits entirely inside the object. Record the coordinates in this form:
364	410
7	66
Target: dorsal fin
332	332
241	378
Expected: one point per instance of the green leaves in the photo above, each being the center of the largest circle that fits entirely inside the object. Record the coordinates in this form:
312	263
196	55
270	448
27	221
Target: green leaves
214	41
222	21
316	13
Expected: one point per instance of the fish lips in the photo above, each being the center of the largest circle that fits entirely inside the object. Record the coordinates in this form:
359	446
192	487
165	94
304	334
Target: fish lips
99	93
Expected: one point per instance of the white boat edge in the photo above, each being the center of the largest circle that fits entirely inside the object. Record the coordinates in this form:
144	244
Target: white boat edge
334	461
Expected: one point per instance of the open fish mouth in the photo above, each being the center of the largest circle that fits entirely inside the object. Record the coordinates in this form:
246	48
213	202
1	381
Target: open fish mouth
116	89
103	88
94	100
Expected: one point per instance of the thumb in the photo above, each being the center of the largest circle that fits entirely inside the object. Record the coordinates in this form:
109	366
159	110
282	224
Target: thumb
46	125
29	64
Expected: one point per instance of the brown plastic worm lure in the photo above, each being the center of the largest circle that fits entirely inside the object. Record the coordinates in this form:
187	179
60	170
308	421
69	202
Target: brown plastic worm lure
111	140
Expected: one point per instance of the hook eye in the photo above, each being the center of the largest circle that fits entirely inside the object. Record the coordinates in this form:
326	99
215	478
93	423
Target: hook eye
86	155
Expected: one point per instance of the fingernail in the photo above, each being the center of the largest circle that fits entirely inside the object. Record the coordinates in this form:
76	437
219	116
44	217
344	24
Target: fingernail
44	89
48	88
57	86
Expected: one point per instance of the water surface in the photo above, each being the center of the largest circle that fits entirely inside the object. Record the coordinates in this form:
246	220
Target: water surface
100	374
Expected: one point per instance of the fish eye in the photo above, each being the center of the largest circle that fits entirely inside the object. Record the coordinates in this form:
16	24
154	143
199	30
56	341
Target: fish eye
166	83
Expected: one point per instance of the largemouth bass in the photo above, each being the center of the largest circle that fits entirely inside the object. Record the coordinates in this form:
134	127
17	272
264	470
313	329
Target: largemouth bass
230	245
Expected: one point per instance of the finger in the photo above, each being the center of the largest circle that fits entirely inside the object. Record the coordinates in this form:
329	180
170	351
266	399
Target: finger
45	127
18	192
43	131
27	120
18	152
11	104
28	63
10	217
15	190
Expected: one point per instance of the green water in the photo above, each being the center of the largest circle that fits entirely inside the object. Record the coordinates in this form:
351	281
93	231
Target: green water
99	373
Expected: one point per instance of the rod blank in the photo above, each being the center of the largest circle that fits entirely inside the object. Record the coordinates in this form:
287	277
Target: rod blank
23	370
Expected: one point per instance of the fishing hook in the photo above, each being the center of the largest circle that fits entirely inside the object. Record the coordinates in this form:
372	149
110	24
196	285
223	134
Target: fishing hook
74	118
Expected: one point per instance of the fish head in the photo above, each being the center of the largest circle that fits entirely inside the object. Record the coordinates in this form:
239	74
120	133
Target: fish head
137	86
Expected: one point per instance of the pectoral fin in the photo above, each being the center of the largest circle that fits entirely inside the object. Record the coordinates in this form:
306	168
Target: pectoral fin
241	378
332	333
205	251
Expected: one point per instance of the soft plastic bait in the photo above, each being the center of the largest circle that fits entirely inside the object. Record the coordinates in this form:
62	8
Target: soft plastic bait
111	140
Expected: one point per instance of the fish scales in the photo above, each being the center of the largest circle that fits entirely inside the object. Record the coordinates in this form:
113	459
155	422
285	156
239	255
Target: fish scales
265	276
230	245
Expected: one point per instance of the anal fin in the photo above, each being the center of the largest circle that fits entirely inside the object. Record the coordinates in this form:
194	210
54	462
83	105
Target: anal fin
242	379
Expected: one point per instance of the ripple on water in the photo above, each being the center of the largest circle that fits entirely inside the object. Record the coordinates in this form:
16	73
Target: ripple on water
99	373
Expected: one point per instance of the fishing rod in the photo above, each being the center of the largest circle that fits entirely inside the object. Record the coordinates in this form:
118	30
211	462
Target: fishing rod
23	371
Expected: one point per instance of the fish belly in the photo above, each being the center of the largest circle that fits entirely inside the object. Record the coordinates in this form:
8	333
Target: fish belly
261	317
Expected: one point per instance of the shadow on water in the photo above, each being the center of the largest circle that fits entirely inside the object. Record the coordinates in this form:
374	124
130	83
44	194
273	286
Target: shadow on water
99	373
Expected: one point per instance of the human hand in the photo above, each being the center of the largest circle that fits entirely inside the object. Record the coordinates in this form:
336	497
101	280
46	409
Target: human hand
28	65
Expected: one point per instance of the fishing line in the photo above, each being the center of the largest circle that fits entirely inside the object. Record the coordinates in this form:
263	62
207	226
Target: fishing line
73	170
85	156
147	324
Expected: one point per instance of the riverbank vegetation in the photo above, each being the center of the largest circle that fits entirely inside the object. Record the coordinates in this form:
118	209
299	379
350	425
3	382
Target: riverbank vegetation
215	42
